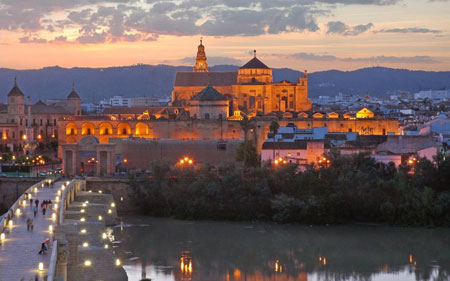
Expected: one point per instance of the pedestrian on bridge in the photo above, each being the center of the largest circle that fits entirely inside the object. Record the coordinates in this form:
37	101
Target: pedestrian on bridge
35	210
36	202
44	208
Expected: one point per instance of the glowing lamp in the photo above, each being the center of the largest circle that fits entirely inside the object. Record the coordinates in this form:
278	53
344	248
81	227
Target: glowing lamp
82	210
113	205
41	266
85	244
104	235
100	218
100	191
50	228
10	223
2	237
87	263
18	212
118	262
83	231
106	246
54	216
83	219
109	211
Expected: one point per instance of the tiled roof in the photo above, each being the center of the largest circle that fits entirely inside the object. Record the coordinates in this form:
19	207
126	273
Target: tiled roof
209	94
15	91
42	108
255	63
205	78
73	94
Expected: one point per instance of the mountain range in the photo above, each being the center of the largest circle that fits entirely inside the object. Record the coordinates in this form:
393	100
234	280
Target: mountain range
94	84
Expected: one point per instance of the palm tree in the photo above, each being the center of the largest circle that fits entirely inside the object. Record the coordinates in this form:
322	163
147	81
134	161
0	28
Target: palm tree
246	125
273	127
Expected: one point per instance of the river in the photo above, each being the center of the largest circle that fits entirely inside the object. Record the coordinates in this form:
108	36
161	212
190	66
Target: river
172	250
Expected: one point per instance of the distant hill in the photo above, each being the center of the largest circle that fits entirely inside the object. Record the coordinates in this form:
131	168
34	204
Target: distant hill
94	84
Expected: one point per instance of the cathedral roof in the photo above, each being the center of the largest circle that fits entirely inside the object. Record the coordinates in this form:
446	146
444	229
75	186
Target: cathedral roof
254	63
186	79
209	94
15	91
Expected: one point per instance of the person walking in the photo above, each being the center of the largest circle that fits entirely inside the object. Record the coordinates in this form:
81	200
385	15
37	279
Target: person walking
36	202
31	201
31	224
35	210
44	208
28	224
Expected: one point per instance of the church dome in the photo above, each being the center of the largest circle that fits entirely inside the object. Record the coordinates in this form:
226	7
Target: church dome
73	94
15	91
209	94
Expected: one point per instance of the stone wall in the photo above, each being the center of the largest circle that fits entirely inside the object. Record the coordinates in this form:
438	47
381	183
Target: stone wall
12	188
120	189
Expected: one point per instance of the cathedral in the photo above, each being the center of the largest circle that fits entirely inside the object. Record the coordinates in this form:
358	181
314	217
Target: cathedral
250	90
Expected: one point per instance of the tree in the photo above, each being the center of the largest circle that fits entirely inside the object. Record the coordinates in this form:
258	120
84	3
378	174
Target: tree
246	125
273	127
246	152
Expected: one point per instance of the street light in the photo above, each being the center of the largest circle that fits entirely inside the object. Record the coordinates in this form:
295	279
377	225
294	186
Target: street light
186	161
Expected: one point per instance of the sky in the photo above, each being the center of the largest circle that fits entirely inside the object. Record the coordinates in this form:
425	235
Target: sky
311	35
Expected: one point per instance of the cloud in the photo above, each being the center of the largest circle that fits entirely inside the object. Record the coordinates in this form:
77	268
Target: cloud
408	30
99	21
338	27
27	39
375	59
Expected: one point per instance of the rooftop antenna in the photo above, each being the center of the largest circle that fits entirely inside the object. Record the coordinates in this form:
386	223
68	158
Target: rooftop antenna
254	53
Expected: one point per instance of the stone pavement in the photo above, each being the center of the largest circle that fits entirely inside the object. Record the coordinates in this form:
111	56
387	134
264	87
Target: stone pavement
19	256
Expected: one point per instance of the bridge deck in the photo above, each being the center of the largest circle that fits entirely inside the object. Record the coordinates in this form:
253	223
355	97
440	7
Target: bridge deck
19	256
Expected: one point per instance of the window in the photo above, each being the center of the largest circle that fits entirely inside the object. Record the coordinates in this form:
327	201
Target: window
124	131
350	130
259	104
26	122
298	153
206	116
384	131
291	104
88	131
20	121
48	121
41	122
34	122
72	131
54	122
252	102
106	131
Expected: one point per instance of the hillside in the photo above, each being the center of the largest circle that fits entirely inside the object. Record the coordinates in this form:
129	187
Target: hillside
94	84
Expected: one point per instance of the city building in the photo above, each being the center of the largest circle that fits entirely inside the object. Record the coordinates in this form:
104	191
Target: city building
23	124
250	89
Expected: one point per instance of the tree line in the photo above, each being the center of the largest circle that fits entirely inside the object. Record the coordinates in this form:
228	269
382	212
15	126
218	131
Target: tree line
351	188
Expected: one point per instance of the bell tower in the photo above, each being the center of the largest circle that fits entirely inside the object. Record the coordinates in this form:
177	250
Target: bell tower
200	63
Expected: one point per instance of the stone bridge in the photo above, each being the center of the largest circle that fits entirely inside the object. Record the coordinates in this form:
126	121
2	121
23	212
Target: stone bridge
76	227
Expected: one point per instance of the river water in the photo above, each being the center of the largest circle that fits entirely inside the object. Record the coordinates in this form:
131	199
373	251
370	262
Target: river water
169	250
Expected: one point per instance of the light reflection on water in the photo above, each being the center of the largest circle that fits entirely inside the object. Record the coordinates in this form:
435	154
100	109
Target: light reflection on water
172	250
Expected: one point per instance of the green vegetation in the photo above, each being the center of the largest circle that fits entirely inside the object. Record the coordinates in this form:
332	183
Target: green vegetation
350	189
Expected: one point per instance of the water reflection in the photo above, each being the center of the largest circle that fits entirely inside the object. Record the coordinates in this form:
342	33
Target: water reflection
163	250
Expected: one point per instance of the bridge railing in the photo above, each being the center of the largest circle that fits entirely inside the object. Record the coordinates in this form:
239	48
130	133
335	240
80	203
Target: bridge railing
19	202
52	266
68	195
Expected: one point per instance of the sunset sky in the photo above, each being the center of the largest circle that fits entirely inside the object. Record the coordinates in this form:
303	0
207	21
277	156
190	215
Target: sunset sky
299	34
